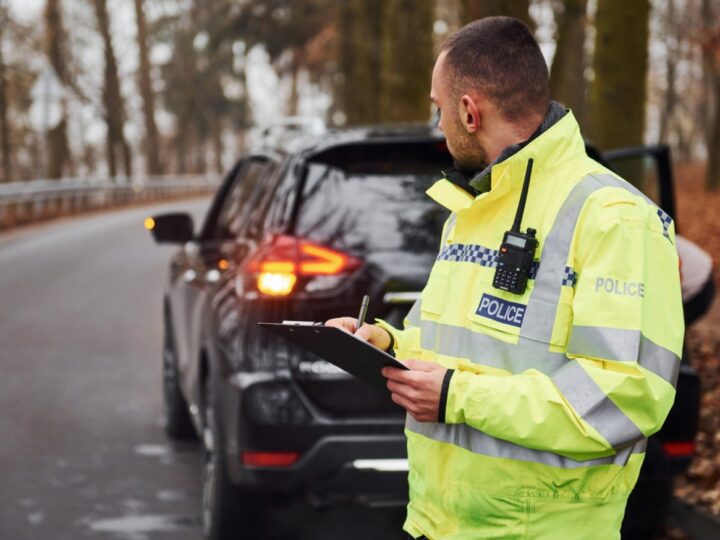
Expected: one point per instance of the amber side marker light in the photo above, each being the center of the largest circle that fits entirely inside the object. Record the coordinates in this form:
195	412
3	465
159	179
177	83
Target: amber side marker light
149	223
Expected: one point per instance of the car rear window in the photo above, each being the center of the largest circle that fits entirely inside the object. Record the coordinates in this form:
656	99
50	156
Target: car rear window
372	197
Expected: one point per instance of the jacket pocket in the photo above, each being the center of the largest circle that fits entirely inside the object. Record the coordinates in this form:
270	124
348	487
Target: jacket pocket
433	297
506	316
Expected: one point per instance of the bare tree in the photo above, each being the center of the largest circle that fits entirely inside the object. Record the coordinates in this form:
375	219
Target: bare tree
5	148
58	149
112	98
152	144
407	60
617	93
477	9
360	59
711	75
386	55
567	76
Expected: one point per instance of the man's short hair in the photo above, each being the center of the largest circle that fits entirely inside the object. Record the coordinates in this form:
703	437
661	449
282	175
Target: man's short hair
499	57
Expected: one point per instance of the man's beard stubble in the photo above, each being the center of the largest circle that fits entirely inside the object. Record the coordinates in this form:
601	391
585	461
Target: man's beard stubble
468	156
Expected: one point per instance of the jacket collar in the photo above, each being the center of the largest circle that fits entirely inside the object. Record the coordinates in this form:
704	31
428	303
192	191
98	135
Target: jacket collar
481	182
549	147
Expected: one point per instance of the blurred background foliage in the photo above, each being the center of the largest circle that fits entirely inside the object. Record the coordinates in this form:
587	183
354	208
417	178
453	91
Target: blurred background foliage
180	86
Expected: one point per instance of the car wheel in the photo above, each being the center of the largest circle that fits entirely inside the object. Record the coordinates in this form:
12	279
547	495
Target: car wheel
176	416
649	502
228	512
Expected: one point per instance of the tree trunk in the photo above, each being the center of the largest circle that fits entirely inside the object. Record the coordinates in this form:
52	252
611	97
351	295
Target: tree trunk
217	142
361	34
407	60
472	10
712	178
567	76
296	63
112	98
58	149
5	147
617	93
153	164
711	80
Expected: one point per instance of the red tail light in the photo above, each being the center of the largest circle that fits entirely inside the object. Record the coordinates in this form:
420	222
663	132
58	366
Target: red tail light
279	263
679	448
269	459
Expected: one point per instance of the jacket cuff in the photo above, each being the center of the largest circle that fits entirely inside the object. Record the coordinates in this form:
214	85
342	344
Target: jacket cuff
390	330
444	390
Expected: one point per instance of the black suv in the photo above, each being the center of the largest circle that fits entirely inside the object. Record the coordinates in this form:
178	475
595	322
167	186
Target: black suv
301	229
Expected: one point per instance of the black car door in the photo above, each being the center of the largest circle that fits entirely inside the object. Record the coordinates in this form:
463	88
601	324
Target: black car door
234	234
204	260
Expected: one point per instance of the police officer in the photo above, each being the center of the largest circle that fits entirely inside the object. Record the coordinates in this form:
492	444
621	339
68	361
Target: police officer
529	408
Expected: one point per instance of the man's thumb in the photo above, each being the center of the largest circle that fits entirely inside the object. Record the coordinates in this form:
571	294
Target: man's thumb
364	333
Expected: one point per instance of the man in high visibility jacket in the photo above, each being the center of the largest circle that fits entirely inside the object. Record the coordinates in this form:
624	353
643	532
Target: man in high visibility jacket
528	414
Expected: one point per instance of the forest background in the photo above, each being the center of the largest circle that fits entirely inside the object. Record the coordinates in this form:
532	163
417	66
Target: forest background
150	87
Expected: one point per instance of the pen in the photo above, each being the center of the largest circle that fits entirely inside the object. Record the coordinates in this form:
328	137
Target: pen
363	312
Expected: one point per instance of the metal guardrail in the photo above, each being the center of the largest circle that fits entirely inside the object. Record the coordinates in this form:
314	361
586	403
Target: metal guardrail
39	200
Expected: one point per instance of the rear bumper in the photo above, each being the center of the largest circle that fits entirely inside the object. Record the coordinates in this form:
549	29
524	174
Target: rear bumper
340	456
358	467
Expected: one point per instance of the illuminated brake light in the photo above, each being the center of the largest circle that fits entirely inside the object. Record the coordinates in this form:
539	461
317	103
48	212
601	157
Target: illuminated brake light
327	261
269	459
277	267
278	264
276	284
679	448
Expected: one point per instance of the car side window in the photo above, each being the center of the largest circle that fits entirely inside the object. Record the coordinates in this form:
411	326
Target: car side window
246	191
279	208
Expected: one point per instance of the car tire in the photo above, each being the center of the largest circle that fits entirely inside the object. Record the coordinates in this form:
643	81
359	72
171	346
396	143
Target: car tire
649	503
176	416
228	512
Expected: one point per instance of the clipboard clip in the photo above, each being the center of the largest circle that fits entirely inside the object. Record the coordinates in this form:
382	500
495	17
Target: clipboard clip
302	323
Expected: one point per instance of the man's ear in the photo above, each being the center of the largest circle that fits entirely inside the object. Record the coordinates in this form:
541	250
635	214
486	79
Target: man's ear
469	113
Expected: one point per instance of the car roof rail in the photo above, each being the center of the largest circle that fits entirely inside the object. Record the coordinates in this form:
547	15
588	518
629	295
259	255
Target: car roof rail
289	127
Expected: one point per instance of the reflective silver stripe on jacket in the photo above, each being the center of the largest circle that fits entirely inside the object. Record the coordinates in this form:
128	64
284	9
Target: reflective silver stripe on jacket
623	345
413	316
542	305
460	342
478	442
594	405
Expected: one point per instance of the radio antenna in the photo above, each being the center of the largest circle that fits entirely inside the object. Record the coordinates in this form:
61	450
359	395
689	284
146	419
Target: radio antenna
523	197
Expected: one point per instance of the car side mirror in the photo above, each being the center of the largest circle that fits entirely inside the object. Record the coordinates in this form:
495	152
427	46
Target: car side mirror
175	228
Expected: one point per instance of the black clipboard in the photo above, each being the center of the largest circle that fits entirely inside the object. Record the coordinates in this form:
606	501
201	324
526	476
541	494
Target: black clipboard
340	348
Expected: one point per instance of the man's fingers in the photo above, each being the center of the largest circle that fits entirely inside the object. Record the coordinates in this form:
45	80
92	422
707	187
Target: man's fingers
421	365
403	402
400	375
403	390
343	323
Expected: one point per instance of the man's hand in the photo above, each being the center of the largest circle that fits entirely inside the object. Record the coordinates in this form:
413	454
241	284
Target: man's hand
418	390
369	332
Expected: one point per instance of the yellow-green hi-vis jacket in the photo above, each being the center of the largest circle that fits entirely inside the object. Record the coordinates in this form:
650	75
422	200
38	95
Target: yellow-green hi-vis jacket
554	392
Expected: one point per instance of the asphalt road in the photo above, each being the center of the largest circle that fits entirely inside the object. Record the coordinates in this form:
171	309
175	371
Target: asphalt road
82	451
